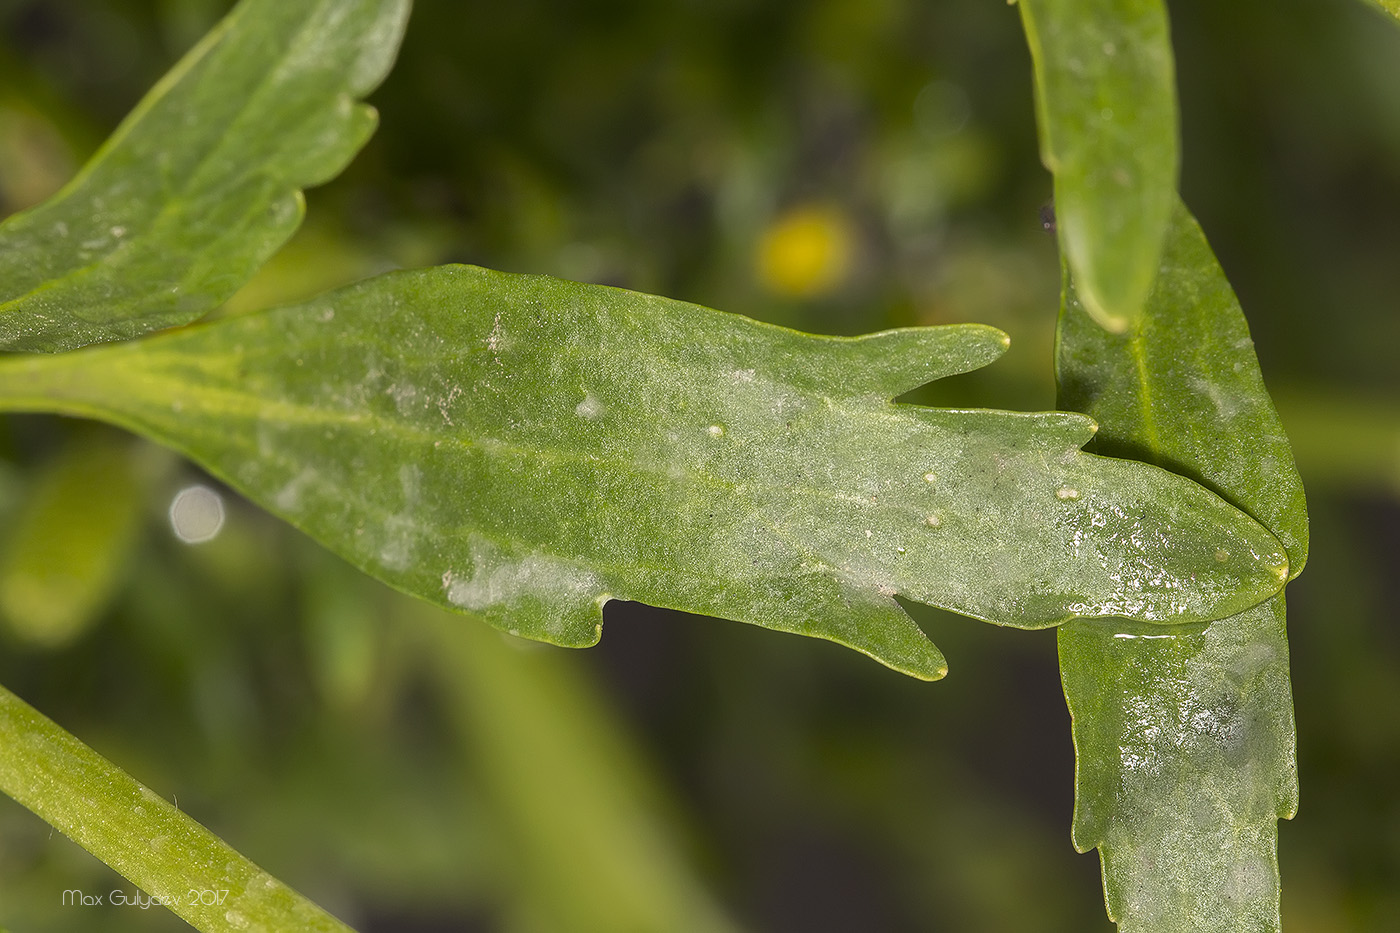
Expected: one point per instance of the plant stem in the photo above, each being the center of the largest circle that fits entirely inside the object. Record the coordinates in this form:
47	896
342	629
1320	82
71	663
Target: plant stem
128	826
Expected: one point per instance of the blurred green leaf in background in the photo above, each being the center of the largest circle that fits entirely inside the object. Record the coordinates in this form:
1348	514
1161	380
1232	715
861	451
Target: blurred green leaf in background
69	543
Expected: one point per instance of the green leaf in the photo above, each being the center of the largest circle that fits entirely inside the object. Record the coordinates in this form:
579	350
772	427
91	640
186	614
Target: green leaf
526	448
155	846
1185	737
66	549
531	719
1106	104
1390	6
201	182
1182	389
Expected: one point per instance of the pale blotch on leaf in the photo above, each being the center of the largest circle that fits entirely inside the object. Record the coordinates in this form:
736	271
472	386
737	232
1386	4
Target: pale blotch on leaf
589	408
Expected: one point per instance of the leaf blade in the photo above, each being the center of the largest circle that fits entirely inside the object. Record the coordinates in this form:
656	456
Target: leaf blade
524	448
1183	388
202	181
1105	91
1390	6
1184	740
1186	842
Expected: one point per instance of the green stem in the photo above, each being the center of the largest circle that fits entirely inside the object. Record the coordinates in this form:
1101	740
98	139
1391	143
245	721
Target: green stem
131	828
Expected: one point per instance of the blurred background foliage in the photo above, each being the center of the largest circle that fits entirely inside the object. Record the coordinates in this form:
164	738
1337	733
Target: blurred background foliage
835	165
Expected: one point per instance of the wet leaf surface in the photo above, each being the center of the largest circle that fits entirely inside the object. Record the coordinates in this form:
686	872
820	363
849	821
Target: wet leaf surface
1185	736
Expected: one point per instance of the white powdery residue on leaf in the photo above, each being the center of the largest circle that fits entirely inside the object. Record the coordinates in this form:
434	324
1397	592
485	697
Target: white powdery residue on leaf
445	402
495	581
289	497
589	408
411	480
495	338
400	539
403	396
1226	404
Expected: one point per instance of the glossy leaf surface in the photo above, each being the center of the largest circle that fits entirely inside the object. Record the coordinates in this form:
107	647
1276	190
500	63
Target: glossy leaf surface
1185	736
1183	389
526	448
201	182
136	832
1106	102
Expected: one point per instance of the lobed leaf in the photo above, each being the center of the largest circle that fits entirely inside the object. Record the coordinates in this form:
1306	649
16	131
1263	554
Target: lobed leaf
1185	736
1105	90
526	448
131	828
201	182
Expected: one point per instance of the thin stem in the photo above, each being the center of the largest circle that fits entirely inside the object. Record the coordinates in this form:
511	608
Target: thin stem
170	856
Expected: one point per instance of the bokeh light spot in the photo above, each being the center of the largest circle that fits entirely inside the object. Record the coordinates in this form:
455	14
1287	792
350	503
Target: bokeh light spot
196	514
806	252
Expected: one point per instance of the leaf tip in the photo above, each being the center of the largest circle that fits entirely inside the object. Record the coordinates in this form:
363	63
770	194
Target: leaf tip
927	672
1111	321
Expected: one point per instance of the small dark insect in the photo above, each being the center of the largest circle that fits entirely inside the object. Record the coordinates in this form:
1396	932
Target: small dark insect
1047	216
